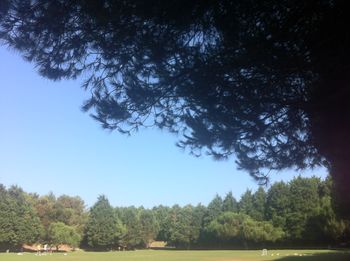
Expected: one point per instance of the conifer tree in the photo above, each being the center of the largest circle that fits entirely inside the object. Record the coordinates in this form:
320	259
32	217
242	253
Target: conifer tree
230	203
19	222
101	226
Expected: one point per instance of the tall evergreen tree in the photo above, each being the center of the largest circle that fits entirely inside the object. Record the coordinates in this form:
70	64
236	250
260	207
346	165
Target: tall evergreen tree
149	227
162	215
259	203
19	222
214	209
304	203
101	227
230	203
185	225
278	204
246	205
130	217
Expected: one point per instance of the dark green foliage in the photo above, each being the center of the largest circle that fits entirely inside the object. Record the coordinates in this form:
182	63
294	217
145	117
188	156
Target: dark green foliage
214	209
230	203
101	228
185	225
242	229
246	204
162	216
179	226
59	234
130	218
277	205
19	222
149	227
325	226
304	203
259	204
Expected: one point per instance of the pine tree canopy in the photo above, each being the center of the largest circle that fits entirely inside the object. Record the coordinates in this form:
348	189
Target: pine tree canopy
265	81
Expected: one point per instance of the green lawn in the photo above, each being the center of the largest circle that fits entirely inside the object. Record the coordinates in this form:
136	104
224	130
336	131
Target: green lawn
170	255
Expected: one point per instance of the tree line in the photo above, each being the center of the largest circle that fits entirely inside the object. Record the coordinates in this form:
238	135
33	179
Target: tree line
298	213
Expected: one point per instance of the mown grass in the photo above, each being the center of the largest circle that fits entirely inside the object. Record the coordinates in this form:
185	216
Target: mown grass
172	255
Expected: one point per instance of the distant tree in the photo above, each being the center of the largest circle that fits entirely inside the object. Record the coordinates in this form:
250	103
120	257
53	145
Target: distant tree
60	234
120	232
130	218
66	209
214	209
246	203
162	215
71	211
19	222
197	214
304	203
101	226
230	203
44	206
242	229
278	204
185	226
149	227
261	231
304	194
259	204
326	226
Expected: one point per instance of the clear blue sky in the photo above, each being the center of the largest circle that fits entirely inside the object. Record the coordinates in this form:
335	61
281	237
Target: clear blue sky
48	144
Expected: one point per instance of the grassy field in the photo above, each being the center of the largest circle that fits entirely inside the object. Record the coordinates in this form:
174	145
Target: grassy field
172	255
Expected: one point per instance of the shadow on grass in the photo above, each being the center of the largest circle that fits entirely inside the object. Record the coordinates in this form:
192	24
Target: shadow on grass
337	256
